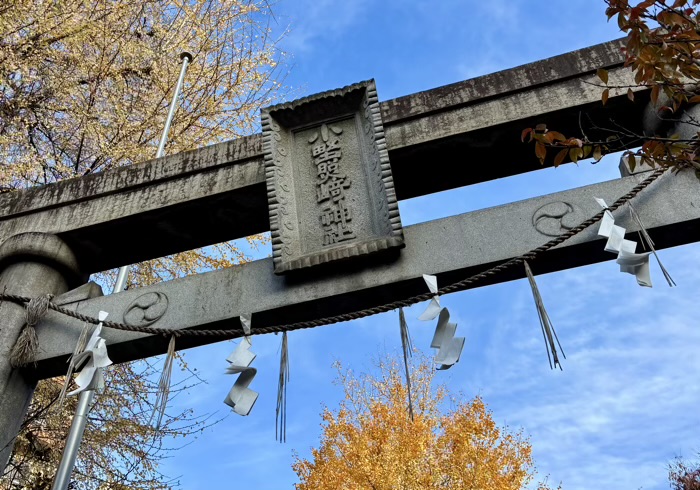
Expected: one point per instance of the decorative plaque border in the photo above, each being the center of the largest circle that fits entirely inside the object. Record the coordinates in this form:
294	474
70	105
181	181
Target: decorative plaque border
279	123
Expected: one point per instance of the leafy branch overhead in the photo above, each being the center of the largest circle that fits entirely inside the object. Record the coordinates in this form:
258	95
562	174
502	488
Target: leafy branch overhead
662	49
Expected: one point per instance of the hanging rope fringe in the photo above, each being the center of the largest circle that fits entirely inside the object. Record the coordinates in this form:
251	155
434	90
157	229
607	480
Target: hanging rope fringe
27	346
407	347
72	361
164	385
281	411
548	332
646	238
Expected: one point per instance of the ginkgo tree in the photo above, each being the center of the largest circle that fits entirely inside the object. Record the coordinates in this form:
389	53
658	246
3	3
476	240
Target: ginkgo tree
662	49
84	87
371	441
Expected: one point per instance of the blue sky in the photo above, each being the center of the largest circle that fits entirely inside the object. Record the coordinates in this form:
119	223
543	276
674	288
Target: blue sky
626	402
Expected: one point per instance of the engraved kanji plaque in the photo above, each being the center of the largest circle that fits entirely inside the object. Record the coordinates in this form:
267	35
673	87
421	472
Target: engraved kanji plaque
330	191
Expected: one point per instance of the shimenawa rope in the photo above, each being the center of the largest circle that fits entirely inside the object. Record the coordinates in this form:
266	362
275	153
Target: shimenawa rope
233	333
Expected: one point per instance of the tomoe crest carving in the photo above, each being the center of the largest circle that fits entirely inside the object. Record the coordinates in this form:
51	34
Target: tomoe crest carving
146	309
556	217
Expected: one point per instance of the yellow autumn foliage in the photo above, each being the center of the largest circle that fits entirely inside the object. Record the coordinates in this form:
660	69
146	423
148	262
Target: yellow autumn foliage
85	86
371	442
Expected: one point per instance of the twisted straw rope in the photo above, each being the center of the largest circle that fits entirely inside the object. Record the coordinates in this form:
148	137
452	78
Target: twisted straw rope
233	333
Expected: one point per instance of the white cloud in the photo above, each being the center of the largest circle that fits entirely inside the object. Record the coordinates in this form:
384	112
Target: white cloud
318	20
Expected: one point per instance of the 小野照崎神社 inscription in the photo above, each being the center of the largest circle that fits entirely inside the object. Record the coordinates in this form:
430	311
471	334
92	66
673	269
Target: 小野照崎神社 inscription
331	185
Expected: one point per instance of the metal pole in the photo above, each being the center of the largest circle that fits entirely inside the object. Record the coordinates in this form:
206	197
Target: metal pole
86	400
122	277
70	453
186	58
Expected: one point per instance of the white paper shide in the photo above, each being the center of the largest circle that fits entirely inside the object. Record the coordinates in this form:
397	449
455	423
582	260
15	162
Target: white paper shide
449	348
241	398
95	359
629	260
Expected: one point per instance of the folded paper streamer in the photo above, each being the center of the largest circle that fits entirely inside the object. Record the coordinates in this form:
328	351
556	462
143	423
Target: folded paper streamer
433	309
449	347
407	347
241	398
246	320
95	358
548	332
629	261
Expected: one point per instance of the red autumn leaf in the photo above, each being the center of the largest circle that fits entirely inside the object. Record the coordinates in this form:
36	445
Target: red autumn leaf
557	136
540	152
559	159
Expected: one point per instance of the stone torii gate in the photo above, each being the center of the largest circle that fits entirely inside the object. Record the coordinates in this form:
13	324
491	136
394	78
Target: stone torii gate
53	237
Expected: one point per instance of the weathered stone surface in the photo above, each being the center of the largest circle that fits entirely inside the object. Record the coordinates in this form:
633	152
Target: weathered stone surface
182	202
330	191
218	192
639	168
542	72
467	244
516	102
30	265
81	293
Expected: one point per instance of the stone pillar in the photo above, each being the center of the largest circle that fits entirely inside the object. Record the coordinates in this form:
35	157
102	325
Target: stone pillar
31	264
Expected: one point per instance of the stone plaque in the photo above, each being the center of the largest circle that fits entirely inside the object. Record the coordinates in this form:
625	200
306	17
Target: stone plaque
329	184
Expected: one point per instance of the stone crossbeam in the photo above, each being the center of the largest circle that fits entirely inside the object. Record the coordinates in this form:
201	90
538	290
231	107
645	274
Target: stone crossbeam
468	243
217	193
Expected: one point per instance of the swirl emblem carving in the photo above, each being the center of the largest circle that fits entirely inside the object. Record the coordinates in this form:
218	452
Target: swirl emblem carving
556	217
146	309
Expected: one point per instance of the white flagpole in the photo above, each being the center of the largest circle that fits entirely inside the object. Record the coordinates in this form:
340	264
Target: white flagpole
86	400
186	58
